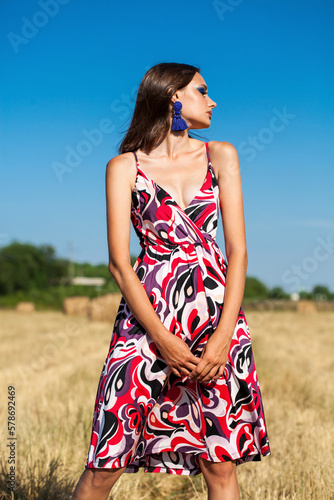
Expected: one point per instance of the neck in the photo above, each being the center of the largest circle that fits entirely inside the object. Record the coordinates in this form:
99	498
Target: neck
175	143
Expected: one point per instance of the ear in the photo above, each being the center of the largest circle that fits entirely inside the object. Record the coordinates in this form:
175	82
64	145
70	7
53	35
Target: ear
173	99
174	96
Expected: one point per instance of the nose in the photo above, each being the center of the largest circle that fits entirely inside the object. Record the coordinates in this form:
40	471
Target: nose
212	104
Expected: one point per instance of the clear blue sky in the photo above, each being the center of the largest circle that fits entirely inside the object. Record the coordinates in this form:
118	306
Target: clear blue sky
69	65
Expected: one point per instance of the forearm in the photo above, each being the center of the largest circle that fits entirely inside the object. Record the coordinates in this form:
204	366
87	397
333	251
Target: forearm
234	292
138	302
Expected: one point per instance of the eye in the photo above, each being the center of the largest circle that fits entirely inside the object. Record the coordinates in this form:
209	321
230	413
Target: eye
203	91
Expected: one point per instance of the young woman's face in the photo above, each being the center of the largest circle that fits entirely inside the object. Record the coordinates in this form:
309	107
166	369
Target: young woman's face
197	106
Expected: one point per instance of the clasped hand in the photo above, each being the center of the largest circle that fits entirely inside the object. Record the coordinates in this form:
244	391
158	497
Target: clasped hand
210	366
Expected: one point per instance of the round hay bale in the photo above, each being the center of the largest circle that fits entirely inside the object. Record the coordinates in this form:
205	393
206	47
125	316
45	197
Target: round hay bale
306	307
76	306
25	307
104	308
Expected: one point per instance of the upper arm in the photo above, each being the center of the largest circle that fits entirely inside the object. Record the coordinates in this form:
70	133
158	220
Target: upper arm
118	206
226	161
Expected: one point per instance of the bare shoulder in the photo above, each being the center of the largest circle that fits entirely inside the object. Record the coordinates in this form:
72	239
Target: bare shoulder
224	157
122	167
223	149
122	161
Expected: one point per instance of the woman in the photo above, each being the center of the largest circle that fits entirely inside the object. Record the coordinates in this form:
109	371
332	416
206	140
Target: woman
178	392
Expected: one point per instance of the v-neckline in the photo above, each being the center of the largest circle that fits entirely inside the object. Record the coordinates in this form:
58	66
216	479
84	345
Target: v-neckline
156	185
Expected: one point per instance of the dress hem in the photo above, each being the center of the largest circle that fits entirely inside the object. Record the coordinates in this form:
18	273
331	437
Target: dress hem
132	469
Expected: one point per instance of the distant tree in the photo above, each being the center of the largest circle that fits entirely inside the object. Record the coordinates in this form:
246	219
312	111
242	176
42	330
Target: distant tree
303	295
321	292
24	266
277	293
255	289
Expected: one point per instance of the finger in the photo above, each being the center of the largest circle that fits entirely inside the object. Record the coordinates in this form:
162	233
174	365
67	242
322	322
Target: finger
215	372
195	372
207	373
210	375
194	360
176	372
187	369
220	372
190	366
201	370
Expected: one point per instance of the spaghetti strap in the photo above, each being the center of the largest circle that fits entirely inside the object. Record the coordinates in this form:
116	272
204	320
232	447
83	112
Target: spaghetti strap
135	157
207	151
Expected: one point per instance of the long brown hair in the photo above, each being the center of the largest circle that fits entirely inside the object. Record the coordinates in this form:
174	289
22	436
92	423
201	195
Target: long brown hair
151	117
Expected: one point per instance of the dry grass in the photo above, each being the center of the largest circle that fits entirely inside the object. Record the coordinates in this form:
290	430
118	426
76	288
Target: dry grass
55	361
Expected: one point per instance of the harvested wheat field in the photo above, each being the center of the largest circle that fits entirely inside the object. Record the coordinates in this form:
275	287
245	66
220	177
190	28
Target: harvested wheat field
54	362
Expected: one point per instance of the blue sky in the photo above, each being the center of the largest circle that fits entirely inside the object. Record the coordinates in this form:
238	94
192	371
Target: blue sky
69	67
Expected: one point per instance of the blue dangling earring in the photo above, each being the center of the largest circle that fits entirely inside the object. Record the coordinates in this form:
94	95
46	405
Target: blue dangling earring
178	122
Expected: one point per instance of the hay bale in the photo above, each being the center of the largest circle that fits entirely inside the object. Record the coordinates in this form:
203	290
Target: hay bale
25	307
76	306
104	308
306	307
325	305
285	305
269	305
